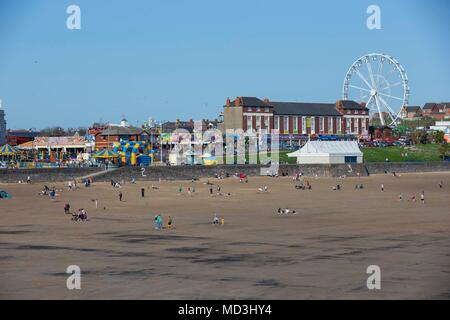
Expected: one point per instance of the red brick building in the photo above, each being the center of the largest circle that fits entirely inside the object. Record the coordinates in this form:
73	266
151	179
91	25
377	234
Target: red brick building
434	110
17	137
295	118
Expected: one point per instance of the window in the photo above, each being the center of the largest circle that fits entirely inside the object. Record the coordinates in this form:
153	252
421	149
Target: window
313	125
286	124
249	123
267	109
258	123
338	125
321	124
267	122
347	125
351	159
276	123
249	109
304	125
258	109
330	125
295	125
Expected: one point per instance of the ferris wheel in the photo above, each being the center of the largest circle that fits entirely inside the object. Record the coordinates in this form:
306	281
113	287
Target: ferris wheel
380	82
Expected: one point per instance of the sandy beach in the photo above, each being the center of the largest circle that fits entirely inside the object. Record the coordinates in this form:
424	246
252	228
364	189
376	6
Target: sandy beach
322	252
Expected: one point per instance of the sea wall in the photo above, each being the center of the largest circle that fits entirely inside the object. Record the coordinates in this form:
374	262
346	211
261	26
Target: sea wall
193	172
189	172
45	175
408	167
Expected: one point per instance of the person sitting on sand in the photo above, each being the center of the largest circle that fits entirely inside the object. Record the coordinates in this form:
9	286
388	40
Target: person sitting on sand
83	215
216	219
169	222
308	185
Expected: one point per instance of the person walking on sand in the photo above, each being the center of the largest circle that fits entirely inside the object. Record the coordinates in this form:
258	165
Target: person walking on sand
159	221
400	197
216	219
382	187
422	197
155	222
211	190
52	194
66	208
169	222
120	196
142	192
28	180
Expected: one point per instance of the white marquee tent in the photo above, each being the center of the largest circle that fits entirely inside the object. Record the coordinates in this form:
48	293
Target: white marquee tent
328	152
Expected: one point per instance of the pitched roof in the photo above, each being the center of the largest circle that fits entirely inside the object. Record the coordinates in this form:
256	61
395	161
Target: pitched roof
117	130
304	109
250	102
413	108
429	105
313	148
352	105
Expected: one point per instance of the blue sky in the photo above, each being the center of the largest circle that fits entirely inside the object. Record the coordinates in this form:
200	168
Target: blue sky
171	59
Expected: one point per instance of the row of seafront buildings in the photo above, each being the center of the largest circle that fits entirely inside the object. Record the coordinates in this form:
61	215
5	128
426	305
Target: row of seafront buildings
294	121
436	111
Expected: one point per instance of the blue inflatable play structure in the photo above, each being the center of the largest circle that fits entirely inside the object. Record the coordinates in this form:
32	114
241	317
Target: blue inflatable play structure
134	153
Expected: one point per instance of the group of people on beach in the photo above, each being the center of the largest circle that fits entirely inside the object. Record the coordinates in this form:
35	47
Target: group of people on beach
302	186
217	221
159	222
286	211
80	215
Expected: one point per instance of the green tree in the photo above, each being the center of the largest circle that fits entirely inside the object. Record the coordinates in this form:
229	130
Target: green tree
422	137
443	150
439	137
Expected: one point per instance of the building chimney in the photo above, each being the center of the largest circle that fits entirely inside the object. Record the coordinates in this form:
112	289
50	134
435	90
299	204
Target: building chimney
237	102
266	100
228	103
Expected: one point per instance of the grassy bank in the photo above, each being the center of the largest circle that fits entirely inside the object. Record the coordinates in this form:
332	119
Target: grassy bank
423	152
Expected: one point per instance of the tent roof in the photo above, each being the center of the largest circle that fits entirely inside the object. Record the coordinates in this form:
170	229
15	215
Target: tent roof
106	154
313	148
8	150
